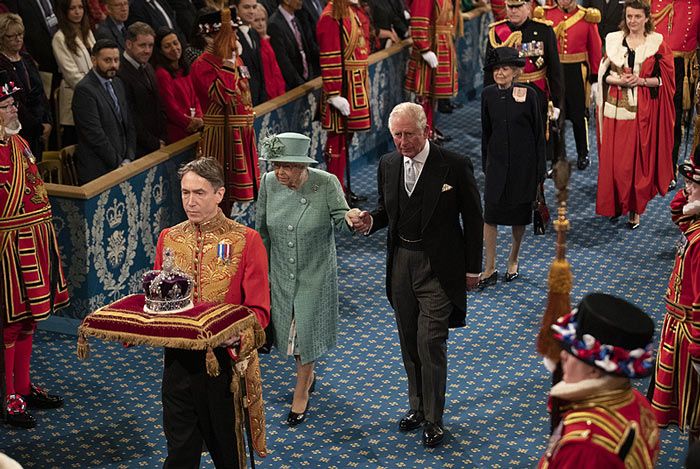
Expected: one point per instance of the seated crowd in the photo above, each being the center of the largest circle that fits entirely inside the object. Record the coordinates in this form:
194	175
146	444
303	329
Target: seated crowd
55	51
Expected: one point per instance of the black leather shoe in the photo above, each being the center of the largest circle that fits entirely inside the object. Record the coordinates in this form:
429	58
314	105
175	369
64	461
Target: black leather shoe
294	419
490	280
445	106
583	162
672	185
632	225
40	399
433	434
412	420
508	277
17	414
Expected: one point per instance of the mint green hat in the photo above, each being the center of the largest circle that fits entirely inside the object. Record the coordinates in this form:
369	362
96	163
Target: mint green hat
287	147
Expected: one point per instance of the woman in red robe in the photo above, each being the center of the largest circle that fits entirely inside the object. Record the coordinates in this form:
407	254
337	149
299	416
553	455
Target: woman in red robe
635	123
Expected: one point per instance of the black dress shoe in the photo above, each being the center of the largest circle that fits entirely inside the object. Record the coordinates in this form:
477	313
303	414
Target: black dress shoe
433	434
583	162
490	280
40	399
672	184
445	106
632	225
294	418
17	414
508	277
412	420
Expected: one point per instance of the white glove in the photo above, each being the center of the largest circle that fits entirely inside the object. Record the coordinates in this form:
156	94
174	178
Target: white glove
341	104
406	15
555	113
430	58
696	366
594	92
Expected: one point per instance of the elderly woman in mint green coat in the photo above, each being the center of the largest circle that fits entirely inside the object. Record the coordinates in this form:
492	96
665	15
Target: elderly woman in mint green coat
297	210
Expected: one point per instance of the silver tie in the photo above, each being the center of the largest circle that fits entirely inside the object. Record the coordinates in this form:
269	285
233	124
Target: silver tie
410	176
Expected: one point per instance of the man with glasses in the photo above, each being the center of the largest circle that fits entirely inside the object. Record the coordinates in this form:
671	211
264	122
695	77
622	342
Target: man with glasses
114	27
429	201
30	264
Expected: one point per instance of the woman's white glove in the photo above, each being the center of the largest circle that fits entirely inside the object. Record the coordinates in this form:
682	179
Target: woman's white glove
594	92
430	58
341	104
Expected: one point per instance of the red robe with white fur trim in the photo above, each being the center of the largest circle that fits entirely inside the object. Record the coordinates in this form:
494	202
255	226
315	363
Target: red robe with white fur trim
635	134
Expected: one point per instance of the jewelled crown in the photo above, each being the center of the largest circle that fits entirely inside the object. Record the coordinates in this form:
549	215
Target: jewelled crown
169	290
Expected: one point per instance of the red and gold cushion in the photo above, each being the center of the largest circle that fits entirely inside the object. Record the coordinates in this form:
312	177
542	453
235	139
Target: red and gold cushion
204	326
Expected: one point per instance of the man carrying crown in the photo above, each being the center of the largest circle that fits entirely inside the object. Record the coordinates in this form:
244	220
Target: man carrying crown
30	266
606	341
580	51
536	42
221	82
228	263
675	389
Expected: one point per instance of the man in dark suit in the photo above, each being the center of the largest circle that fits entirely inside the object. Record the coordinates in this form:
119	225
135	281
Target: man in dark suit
156	14
611	12
295	48
141	90
114	27
249	39
390	15
105	129
424	193
185	14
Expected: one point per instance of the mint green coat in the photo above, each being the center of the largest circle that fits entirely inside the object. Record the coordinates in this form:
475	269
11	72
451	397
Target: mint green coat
297	228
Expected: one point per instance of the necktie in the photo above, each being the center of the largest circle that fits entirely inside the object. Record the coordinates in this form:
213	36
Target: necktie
110	90
145	77
410	177
300	45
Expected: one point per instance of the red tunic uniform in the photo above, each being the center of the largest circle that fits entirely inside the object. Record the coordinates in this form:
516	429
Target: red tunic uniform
33	280
635	138
228	133
344	73
676	385
614	429
432	29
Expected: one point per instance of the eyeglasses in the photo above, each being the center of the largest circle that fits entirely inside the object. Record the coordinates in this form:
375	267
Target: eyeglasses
8	106
14	36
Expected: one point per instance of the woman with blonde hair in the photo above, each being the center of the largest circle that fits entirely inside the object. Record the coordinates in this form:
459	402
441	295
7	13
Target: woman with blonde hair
71	46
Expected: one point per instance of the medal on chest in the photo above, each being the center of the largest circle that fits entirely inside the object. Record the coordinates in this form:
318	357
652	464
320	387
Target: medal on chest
519	94
681	246
223	252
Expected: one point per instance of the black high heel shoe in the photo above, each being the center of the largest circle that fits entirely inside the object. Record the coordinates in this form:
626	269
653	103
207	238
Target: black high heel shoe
490	280
295	418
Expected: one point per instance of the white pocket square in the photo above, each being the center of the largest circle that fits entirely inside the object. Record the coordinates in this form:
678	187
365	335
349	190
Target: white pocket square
446	187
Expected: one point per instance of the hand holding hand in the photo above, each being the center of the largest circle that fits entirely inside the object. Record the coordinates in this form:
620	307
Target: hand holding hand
430	58
361	221
341	104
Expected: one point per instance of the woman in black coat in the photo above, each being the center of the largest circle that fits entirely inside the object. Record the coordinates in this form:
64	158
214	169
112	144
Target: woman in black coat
513	157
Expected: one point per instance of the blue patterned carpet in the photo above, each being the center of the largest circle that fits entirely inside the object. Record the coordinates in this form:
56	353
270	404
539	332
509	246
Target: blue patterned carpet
496	399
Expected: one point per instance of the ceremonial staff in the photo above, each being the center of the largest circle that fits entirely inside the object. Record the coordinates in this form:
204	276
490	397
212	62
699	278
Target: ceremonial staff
560	282
344	93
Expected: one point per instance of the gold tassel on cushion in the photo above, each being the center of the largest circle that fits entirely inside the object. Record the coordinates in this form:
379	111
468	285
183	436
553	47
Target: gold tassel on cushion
83	347
212	363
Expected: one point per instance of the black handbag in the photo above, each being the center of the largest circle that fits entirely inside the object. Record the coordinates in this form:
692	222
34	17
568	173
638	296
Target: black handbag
540	213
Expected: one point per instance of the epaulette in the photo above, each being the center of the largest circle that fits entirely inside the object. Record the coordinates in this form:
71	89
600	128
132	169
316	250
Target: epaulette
592	15
496	23
547	22
538	13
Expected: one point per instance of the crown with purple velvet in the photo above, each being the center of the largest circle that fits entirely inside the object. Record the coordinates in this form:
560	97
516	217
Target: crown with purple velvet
168	290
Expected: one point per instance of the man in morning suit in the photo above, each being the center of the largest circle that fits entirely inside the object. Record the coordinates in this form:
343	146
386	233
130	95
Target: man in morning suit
141	90
114	27
106	132
424	193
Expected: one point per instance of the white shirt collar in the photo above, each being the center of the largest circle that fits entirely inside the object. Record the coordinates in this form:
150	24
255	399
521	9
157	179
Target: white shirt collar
287	16
131	60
